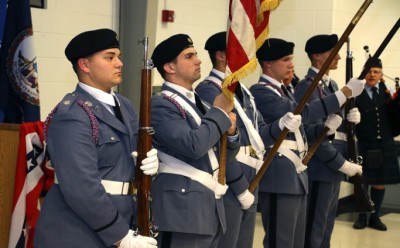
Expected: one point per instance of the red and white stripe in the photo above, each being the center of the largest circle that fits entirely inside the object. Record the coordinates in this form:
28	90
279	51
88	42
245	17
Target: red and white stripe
30	180
248	28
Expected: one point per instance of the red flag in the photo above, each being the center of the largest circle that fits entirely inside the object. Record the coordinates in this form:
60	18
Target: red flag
248	28
33	176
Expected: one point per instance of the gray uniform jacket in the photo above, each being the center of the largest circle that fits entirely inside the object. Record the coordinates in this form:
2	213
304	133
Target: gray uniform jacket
179	203
281	176
328	158
77	211
239	178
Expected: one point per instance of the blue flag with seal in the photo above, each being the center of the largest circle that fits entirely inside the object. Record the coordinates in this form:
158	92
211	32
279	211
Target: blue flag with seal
19	89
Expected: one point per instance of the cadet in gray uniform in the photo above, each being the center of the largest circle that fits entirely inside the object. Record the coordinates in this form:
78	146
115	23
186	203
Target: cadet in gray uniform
240	204
328	166
91	135
187	198
376	144
284	187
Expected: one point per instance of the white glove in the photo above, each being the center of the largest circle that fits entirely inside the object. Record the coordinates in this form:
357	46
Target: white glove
150	164
220	190
354	116
246	199
351	169
356	86
333	122
290	121
137	241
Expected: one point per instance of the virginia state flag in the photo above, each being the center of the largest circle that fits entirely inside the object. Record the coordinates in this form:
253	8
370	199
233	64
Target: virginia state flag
19	90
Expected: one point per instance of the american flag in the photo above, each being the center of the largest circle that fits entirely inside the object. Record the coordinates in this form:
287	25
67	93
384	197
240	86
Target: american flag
248	28
33	177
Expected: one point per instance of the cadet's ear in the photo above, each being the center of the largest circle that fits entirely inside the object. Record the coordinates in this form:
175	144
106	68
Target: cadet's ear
169	67
83	64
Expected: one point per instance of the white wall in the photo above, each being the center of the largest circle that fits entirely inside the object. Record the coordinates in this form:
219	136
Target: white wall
53	28
198	19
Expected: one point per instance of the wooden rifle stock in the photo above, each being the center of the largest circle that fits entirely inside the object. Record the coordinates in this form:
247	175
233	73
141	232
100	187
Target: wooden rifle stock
142	181
222	158
307	95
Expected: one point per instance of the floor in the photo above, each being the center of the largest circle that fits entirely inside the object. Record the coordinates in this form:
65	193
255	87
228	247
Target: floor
344	236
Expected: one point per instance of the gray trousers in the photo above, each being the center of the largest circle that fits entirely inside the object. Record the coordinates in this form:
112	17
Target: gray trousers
322	207
190	240
240	225
284	219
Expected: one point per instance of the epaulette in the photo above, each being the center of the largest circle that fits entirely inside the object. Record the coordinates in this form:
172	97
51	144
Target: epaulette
178	106
210	82
67	103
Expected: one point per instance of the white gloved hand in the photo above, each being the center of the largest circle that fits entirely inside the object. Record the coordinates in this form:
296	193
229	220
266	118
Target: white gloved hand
246	199
220	190
333	122
290	121
356	86
350	169
150	164
137	241
354	116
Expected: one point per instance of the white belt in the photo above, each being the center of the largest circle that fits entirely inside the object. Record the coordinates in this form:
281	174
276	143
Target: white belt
172	165
111	187
286	149
246	155
340	136
247	150
115	187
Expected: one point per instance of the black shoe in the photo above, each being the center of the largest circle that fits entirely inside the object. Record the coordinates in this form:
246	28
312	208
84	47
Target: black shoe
377	224
360	223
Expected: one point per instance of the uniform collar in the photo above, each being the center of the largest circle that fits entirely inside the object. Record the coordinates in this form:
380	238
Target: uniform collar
220	75
272	80
189	94
103	97
325	77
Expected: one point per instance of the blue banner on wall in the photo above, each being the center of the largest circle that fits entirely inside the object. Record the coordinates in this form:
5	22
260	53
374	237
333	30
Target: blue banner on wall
19	89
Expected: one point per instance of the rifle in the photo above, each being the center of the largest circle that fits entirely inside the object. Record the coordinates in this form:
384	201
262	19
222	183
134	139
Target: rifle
307	95
362	201
142	181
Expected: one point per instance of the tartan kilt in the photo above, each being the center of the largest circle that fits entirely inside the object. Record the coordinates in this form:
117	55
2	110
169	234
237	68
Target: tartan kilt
380	162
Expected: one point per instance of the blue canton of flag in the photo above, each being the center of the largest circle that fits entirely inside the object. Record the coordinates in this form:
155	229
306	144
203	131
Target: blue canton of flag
19	89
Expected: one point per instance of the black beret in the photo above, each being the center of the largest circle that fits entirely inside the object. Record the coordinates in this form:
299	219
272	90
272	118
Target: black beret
321	43
89	42
274	49
374	63
217	42
170	48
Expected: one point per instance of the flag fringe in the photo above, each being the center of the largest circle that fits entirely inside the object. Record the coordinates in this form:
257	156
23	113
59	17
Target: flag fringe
266	5
236	76
262	37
